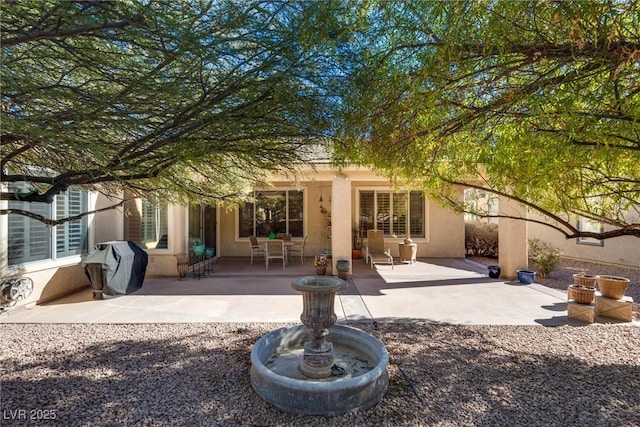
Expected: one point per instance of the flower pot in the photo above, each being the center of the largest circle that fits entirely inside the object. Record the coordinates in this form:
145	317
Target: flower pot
612	286
494	271
356	253
526	276
342	267
198	249
208	253
321	271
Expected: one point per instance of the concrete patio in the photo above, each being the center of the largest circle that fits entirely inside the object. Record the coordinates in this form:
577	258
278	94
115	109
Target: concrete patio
452	291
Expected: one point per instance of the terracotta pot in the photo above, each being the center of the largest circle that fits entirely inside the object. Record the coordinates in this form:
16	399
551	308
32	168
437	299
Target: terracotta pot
321	271
612	286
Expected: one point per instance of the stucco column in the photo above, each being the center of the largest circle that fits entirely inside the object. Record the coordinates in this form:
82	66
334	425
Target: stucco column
512	238
340	221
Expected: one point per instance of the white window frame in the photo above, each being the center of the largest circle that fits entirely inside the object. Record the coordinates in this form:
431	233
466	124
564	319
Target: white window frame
376	190
53	255
586	224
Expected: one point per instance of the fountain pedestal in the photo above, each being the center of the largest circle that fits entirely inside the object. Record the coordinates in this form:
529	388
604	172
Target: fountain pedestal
318	314
317	364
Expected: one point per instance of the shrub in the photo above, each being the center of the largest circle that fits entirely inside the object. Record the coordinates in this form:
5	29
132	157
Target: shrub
543	257
481	239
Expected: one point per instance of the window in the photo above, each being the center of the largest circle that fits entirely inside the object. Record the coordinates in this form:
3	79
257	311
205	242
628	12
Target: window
71	237
396	213
585	224
30	240
146	223
273	212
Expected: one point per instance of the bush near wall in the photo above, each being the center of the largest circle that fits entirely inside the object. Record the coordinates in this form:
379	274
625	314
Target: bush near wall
481	239
543	257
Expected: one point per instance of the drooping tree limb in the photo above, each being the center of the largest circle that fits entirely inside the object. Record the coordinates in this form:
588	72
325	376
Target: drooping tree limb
574	232
58	34
53	222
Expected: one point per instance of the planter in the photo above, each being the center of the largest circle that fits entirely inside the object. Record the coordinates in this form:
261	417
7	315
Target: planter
182	264
342	266
582	294
612	286
356	253
494	271
321	271
585	280
526	276
198	249
209	252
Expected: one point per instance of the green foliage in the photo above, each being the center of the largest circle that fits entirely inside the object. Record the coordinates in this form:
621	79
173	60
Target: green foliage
536	101
188	101
481	239
357	239
543	256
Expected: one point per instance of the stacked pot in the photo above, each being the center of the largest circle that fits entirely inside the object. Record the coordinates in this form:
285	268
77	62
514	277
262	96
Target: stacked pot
583	290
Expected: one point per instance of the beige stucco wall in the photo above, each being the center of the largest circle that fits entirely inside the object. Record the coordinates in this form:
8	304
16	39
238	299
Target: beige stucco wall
162	262
618	250
444	230
51	279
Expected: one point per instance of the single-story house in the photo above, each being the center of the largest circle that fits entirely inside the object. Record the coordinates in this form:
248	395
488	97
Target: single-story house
325	204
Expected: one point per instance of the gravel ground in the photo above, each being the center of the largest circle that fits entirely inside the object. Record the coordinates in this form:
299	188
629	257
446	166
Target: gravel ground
562	276
440	375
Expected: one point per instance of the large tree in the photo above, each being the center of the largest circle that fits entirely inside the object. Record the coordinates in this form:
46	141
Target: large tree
534	100
182	100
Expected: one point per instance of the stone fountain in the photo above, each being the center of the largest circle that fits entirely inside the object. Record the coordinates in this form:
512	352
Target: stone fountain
319	368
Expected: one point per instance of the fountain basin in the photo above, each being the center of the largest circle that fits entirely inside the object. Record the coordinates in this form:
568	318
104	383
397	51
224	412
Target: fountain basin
328	397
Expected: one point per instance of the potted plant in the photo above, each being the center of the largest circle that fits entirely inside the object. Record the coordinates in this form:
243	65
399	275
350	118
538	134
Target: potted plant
209	252
320	263
198	247
356	251
342	266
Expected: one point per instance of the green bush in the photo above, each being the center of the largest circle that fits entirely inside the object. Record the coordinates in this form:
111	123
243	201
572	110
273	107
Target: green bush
543	257
481	239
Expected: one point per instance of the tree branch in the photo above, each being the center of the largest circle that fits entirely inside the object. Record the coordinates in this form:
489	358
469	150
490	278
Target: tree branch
57	34
52	222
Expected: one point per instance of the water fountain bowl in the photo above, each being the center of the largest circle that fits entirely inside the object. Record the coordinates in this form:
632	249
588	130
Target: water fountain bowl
338	395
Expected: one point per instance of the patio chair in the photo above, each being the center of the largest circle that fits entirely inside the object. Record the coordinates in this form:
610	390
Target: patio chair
298	249
375	252
256	249
274	249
